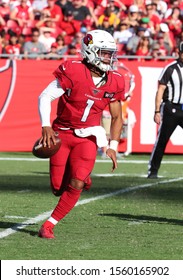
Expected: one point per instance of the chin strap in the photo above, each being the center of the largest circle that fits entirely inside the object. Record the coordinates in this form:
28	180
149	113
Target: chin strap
93	68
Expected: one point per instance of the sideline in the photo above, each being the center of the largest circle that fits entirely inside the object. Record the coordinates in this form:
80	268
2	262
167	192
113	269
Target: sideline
97	160
45	215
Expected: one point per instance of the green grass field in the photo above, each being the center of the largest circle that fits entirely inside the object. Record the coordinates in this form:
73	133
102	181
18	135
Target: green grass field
124	216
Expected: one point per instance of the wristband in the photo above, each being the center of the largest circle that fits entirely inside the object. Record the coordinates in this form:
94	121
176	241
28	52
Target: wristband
113	145
156	112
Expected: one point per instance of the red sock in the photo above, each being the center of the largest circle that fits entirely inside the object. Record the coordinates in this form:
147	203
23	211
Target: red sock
67	201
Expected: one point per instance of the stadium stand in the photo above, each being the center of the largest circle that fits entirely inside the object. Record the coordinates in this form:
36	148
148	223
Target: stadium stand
160	22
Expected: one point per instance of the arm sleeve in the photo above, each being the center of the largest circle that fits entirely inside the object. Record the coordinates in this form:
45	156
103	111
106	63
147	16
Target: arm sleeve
50	93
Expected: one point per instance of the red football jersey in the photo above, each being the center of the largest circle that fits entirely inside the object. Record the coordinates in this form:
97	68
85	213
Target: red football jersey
13	49
23	12
82	103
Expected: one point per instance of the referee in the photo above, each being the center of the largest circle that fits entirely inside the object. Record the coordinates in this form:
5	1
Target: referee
168	109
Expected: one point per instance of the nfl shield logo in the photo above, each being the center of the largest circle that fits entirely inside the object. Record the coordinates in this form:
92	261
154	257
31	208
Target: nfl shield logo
95	91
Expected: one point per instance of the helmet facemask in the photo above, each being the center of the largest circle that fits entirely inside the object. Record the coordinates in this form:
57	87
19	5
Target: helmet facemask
105	59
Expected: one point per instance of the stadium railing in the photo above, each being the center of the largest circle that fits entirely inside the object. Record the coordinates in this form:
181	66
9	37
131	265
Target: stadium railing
65	57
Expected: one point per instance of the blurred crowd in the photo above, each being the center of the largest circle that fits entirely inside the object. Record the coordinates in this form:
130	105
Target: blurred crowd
39	29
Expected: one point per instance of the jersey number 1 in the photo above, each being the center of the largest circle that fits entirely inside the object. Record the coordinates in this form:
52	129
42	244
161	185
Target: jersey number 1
87	110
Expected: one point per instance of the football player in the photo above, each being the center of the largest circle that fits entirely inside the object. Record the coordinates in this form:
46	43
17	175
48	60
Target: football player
83	88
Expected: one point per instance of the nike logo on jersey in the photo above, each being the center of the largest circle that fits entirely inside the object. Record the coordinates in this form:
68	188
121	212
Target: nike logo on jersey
63	67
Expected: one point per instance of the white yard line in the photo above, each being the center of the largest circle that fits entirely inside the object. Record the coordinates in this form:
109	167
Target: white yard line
121	174
45	215
15	217
140	161
21	159
98	160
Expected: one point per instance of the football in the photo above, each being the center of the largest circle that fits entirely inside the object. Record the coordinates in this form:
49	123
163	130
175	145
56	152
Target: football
44	152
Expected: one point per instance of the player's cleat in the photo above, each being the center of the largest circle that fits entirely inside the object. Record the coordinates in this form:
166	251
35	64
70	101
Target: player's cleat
152	176
87	184
46	232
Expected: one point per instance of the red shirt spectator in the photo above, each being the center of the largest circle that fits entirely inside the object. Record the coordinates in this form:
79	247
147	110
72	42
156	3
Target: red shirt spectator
143	48
54	12
13	47
69	27
46	24
174	22
22	13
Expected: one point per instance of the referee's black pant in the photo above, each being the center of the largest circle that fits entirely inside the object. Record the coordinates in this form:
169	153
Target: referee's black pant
172	116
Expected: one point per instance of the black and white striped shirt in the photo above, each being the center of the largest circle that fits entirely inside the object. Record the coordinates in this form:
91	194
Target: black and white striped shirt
172	77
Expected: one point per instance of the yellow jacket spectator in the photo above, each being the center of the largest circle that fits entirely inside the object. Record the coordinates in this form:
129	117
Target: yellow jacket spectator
112	17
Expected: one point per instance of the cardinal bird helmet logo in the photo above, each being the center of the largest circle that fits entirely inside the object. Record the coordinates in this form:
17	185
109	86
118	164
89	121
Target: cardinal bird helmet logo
88	39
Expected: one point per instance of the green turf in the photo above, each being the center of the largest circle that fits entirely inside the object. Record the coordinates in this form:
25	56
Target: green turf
137	224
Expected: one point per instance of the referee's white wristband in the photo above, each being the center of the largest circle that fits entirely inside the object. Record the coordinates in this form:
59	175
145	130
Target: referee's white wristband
113	145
